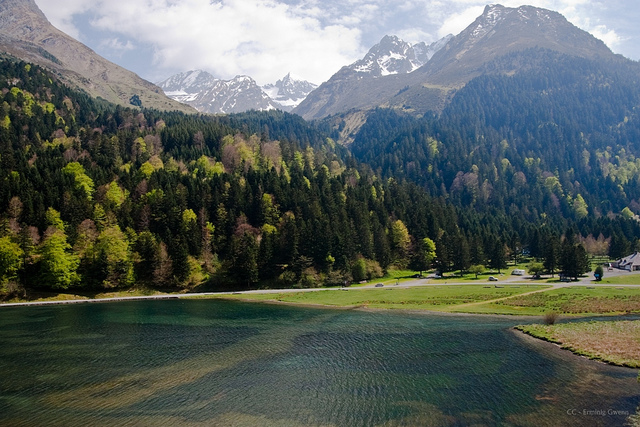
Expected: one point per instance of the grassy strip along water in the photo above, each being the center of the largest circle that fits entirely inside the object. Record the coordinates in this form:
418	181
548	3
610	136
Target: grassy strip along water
616	342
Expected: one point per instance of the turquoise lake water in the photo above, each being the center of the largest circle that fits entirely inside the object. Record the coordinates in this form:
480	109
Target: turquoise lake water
221	363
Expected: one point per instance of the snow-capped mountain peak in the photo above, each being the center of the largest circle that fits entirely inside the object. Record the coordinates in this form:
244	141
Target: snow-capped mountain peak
395	56
184	87
210	95
494	14
289	91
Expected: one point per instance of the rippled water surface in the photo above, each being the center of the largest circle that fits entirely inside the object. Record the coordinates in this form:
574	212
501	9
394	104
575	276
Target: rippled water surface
208	362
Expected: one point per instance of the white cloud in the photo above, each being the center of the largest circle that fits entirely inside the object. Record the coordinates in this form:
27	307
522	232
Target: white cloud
117	45
459	21
311	38
60	13
414	35
261	38
608	36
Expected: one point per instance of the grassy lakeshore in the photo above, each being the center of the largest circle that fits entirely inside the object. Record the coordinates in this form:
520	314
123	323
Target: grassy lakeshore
615	342
438	298
529	300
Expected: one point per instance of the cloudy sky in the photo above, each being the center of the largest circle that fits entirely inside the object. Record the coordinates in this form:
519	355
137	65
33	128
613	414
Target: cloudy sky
312	39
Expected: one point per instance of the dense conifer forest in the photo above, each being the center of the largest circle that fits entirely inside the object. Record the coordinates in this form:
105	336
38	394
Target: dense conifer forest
95	196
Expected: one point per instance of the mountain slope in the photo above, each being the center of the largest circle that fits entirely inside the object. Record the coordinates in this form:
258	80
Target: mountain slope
559	137
498	31
368	82
26	33
501	30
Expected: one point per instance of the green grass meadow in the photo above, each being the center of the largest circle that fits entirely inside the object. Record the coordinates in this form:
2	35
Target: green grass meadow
440	298
466	298
574	300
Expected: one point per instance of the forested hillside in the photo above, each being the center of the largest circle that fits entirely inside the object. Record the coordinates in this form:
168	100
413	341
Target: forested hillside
558	139
95	196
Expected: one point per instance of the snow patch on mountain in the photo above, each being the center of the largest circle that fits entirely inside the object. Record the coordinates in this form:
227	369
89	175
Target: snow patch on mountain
208	94
395	56
289	91
211	95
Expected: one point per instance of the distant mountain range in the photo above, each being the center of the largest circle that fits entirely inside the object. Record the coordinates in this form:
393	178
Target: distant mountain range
208	94
394	74
26	33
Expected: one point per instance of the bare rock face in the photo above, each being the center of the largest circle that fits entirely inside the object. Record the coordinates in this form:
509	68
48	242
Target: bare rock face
25	33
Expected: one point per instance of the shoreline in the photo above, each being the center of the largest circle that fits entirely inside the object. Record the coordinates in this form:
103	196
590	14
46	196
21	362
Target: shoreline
235	296
583	351
560	351
366	308
226	296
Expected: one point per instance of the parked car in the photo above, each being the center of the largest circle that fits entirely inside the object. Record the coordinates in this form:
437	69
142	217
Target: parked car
492	279
379	285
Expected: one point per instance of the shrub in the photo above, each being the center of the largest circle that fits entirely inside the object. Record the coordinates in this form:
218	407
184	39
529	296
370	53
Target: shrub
550	318
599	272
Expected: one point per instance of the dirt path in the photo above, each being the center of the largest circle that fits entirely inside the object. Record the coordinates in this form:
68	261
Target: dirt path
472	304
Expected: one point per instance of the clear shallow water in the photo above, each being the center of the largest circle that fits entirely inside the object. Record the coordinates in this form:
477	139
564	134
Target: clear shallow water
208	362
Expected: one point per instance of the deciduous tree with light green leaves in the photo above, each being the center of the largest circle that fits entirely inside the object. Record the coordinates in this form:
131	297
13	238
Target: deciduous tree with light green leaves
58	265
10	259
112	263
477	269
82	180
536	269
400	241
115	196
580	207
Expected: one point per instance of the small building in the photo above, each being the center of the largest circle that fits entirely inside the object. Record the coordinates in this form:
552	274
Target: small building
629	263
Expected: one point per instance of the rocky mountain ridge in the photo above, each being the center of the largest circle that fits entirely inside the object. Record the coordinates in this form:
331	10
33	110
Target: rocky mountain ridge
289	92
208	94
395	56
